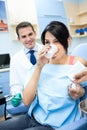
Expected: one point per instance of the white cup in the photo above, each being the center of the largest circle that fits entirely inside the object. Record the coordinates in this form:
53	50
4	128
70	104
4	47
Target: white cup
51	51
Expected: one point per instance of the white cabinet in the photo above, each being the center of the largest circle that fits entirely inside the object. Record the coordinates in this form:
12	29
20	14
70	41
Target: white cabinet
21	10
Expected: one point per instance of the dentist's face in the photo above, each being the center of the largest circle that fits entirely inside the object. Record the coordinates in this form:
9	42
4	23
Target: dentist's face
27	37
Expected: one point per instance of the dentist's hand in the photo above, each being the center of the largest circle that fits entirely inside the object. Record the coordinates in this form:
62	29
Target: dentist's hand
80	77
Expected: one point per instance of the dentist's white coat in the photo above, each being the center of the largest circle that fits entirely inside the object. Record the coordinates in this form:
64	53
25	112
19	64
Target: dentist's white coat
19	67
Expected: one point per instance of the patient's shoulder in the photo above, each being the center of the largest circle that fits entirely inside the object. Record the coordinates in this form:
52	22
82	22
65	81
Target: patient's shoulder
82	60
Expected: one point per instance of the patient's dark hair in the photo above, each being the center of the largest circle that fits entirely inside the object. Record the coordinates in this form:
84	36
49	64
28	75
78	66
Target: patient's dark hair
23	25
59	30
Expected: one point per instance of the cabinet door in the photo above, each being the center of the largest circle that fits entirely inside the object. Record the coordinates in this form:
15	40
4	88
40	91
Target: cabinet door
48	11
5	88
21	10
4	76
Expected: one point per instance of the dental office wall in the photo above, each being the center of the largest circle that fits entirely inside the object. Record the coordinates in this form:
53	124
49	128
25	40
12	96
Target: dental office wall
7	45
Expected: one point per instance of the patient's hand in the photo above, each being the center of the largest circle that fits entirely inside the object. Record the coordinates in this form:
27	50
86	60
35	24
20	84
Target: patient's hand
41	58
76	92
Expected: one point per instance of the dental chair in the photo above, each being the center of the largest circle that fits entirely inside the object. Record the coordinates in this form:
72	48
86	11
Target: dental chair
80	50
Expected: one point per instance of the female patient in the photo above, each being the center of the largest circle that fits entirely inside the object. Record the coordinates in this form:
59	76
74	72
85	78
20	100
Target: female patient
47	90
52	103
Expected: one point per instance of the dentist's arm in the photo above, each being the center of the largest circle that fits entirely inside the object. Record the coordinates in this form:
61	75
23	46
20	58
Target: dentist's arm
82	76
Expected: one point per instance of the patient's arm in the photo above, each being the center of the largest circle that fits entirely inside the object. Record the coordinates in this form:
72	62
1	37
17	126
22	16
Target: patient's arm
30	89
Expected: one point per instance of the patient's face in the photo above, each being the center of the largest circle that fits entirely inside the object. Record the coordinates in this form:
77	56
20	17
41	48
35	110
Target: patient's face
51	39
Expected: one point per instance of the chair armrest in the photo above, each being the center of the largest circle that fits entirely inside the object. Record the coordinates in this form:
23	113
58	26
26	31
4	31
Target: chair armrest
8	97
17	110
